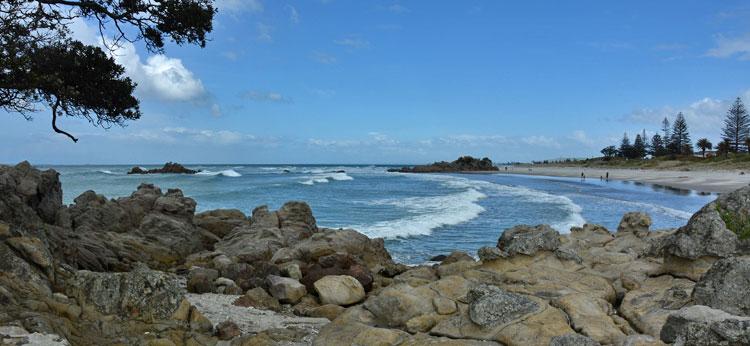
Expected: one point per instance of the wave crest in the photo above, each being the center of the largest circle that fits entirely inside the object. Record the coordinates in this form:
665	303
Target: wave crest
227	173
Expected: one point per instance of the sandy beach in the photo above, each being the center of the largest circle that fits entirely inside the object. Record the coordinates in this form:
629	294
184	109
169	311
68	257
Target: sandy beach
699	180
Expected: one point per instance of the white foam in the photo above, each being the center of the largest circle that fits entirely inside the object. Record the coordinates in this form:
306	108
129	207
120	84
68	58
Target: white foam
573	218
325	177
654	208
227	173
428	213
105	171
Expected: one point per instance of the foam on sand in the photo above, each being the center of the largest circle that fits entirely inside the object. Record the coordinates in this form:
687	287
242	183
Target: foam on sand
226	173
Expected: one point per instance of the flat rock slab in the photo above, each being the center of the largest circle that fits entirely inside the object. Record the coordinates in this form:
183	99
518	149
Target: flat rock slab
218	308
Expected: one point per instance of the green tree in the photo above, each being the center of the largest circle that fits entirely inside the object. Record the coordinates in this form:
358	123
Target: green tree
41	66
626	148
657	146
724	148
639	147
665	129
704	144
680	140
609	152
736	126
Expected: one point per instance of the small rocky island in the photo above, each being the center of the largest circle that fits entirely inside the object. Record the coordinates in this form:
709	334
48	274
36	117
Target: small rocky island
462	164
147	270
169	168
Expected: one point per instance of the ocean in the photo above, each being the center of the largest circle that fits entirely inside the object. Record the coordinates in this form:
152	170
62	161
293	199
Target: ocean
419	215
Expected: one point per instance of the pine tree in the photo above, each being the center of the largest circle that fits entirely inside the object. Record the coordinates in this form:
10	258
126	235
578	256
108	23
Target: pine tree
680	141
665	129
639	148
736	126
625	147
657	146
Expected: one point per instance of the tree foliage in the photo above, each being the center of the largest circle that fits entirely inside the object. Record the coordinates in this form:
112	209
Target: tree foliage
704	144
680	140
737	126
41	66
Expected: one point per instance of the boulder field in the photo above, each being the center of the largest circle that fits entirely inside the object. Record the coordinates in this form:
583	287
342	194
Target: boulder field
147	270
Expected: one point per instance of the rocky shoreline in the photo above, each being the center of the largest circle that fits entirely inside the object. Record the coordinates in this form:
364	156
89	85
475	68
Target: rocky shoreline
147	270
462	164
169	168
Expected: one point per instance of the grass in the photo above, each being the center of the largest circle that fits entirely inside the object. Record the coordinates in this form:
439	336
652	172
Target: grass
739	224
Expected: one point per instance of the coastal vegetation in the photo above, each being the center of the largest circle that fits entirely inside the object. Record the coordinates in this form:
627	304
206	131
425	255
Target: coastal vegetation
45	67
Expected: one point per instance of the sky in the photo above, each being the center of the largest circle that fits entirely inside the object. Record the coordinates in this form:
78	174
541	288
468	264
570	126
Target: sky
336	81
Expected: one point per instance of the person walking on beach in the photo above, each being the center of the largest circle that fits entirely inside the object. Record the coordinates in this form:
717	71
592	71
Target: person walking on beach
583	176
607	176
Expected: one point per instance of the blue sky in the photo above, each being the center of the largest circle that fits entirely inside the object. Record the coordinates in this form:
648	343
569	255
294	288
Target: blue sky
415	81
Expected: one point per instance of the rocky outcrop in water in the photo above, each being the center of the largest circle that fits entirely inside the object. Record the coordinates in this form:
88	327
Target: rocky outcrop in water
146	270
169	168
462	164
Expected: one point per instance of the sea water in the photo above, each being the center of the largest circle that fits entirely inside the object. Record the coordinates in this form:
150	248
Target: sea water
419	215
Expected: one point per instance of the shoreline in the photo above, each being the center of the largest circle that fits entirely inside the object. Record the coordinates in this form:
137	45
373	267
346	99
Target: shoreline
702	181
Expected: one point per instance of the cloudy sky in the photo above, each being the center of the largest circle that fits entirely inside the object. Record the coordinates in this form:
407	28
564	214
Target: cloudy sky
335	81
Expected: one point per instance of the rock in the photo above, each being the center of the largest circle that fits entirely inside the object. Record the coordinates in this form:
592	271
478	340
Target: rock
292	270
573	339
141	294
702	325
258	298
297	215
201	280
591	317
329	311
339	290
462	164
444	306
490	306
718	230
438	258
489	253
341	333
726	286
199	322
648	307
527	240
398	303
169	168
221	221
286	290
640	340
637	223
29	196
227	330
336	265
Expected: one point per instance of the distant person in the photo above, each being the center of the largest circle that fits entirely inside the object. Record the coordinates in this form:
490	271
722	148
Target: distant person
583	176
601	178
607	176
506	168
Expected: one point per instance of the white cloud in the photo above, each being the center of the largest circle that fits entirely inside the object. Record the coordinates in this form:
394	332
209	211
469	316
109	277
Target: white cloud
208	136
542	141
581	137
353	42
324	58
160	77
231	55
266	96
239	6
215	110
293	14
702	115
397	8
728	47
264	32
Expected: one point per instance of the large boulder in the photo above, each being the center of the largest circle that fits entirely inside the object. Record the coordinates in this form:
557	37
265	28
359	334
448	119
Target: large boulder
221	221
528	240
701	325
726	286
29	196
398	303
490	306
339	290
286	290
718	230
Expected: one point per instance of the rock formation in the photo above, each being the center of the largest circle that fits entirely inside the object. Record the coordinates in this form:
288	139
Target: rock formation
462	164
146	270
169	168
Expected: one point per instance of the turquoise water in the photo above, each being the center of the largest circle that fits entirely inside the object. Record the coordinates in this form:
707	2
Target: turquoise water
420	215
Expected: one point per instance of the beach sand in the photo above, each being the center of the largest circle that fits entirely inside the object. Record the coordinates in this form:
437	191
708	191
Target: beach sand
699	180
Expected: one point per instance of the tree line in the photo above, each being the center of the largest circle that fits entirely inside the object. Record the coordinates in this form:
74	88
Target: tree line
673	139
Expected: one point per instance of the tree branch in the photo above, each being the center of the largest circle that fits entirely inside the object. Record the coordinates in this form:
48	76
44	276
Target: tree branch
54	122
